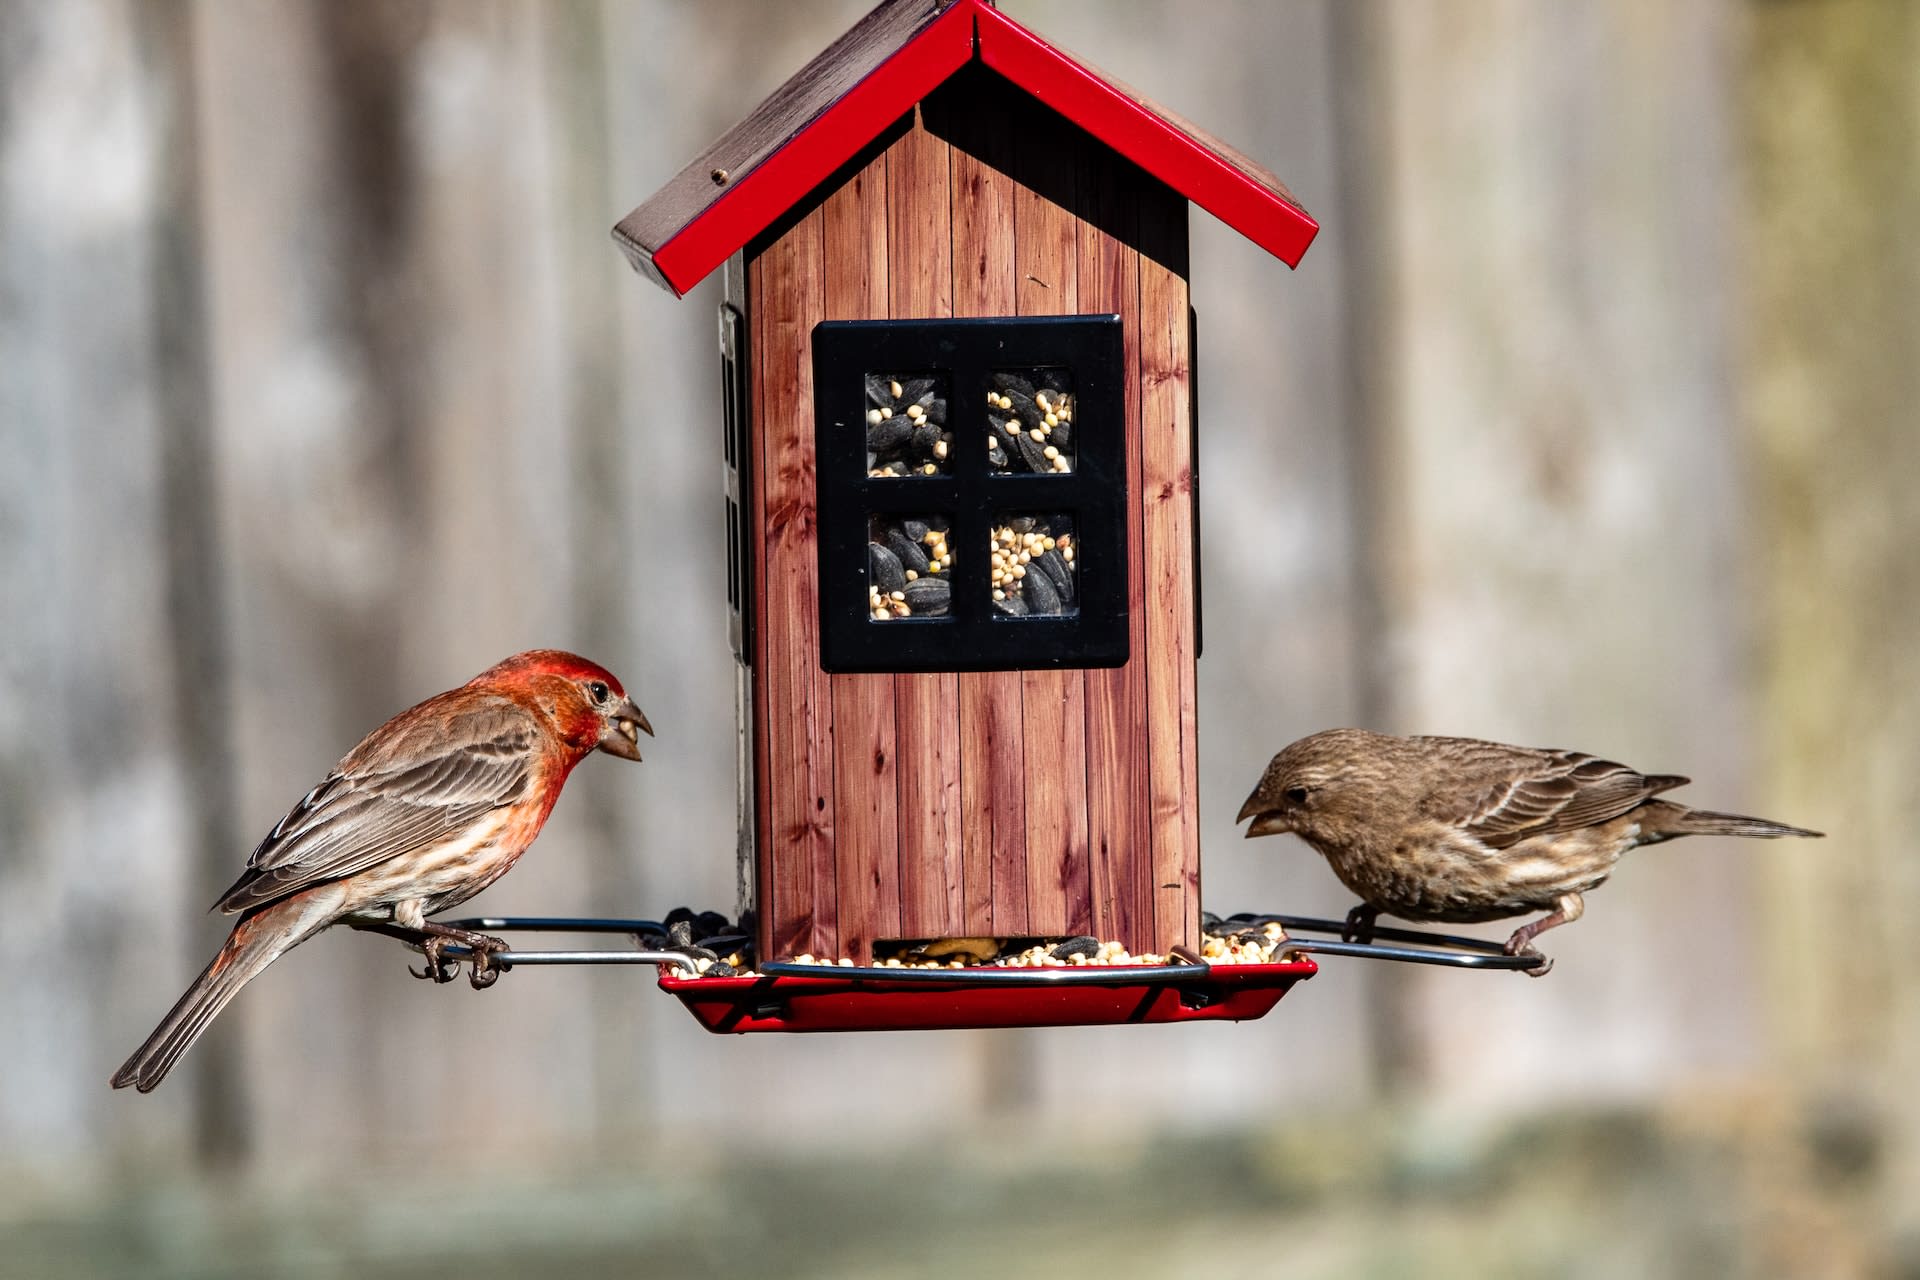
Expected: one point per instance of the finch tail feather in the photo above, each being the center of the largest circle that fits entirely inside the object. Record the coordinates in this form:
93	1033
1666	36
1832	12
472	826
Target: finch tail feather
255	943
1705	822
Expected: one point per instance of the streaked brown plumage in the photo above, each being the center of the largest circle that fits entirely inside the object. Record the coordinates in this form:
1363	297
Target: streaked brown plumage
1460	831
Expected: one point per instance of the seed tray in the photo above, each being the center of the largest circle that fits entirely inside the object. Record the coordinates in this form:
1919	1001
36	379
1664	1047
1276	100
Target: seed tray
807	998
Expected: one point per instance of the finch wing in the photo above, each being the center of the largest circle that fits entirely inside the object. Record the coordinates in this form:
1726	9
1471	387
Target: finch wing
1502	795
412	784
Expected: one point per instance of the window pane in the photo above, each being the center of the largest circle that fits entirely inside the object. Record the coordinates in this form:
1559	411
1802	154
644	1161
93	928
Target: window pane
908	567
907	424
1030	413
1035	566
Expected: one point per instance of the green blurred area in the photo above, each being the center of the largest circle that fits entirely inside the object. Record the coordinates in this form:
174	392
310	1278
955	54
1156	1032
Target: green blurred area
1725	1187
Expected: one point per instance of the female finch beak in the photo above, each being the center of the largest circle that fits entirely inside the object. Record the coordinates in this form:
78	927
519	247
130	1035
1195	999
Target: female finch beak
1266	822
622	737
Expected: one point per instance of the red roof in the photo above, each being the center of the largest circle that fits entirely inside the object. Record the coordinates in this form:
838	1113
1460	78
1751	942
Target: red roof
858	86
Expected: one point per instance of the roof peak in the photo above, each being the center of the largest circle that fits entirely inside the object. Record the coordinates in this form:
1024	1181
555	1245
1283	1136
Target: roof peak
895	56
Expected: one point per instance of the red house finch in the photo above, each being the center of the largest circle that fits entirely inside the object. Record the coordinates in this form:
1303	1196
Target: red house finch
1460	830
431	808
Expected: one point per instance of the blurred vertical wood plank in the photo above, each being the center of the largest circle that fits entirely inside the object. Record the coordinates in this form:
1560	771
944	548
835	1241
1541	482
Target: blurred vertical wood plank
1119	868
1053	720
992	768
787	301
1828	106
865	769
1166	500
99	876
1561	478
932	868
196	616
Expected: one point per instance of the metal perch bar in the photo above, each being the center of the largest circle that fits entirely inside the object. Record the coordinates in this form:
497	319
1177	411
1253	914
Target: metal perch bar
1451	950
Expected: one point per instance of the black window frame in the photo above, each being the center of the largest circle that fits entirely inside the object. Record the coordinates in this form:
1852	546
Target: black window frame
973	636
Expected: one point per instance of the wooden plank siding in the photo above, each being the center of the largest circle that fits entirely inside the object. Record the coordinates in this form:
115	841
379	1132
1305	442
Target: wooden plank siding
1005	803
787	285
1053	722
866	792
992	763
1166	503
926	706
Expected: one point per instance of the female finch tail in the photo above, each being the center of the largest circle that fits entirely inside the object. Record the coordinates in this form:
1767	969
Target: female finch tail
1670	819
256	942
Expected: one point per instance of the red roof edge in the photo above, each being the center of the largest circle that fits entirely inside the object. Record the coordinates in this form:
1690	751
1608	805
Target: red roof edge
1206	173
1137	131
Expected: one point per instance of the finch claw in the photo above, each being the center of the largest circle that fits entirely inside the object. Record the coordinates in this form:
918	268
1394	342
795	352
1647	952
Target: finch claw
439	968
1359	925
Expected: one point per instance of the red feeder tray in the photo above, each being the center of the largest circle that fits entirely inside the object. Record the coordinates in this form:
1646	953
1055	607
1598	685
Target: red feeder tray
795	997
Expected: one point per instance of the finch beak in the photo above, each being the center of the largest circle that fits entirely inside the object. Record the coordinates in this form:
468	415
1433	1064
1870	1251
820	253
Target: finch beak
1266	822
622	737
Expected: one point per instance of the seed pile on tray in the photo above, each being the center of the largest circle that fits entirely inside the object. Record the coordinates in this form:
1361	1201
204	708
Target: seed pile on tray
717	946
908	567
1032	423
1034	573
721	949
906	426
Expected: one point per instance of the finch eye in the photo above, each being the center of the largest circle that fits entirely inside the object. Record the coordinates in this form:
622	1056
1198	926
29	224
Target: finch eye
599	691
1296	795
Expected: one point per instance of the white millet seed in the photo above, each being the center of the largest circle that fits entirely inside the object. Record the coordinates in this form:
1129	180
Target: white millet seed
873	417
893	389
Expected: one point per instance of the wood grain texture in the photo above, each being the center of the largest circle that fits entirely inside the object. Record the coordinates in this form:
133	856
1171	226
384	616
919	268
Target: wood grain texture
1167	552
866	846
992	764
787	289
1120	874
926	706
1053	720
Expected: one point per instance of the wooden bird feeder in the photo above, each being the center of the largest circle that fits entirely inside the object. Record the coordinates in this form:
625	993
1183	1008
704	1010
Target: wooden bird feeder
960	481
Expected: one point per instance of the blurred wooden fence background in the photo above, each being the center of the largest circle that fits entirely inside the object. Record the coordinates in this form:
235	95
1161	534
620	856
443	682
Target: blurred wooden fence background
1588	421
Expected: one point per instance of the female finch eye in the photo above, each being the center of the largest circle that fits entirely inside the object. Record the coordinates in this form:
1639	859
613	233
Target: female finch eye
598	690
1296	795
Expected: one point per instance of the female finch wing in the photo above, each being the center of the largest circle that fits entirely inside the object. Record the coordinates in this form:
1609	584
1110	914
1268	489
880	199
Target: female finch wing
414	782
1502	795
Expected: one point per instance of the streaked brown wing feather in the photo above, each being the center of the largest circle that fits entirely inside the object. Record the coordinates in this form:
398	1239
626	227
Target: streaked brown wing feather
1502	795
383	801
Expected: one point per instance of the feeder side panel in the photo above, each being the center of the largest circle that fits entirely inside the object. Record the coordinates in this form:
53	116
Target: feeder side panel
745	543
926	706
787	292
1120	872
1167	548
1053	720
866	788
992	743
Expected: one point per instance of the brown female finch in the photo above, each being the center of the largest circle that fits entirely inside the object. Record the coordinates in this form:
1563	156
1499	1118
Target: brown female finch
431	808
1460	830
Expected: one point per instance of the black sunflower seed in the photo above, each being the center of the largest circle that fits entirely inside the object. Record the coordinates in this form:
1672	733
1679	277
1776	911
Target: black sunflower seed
888	435
925	436
1055	568
879	394
914	390
884	571
914	529
909	552
1012	384
720	969
1084	945
1012	606
1032	453
929	597
1040	593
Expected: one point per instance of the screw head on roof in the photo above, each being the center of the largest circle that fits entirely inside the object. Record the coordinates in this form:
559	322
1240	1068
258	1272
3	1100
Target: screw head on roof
719	177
